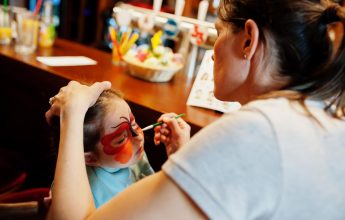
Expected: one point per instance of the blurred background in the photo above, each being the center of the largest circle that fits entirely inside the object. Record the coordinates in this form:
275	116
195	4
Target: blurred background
86	21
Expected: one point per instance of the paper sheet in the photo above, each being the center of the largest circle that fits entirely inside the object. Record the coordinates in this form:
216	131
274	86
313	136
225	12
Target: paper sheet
66	61
202	95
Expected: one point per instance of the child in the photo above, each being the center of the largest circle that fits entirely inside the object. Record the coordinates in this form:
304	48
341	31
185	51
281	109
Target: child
113	146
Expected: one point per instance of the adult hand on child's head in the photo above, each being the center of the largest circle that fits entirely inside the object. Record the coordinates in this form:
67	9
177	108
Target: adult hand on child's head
174	133
75	98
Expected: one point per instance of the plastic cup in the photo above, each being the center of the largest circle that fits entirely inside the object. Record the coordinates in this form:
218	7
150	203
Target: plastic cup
27	32
6	18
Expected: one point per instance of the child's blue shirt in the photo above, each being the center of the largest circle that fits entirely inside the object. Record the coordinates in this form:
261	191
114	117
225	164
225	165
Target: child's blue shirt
107	182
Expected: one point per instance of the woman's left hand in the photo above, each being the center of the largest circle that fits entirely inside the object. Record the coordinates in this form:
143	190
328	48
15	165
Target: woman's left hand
75	98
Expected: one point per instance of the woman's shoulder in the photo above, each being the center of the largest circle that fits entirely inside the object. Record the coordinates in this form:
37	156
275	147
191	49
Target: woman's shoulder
270	103
281	107
256	112
250	120
264	117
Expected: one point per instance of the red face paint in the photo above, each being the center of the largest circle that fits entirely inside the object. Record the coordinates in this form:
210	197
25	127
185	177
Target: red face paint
126	154
123	152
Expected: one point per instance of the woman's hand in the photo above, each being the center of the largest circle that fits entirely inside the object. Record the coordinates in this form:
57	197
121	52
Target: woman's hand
173	133
75	98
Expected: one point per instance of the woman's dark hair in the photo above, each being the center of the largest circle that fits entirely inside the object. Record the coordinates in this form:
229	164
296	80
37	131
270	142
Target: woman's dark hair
93	122
305	52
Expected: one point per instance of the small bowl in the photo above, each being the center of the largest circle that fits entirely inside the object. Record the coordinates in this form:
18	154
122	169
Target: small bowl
149	73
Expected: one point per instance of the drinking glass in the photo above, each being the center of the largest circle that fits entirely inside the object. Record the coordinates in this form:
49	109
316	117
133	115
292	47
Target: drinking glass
6	17
27	32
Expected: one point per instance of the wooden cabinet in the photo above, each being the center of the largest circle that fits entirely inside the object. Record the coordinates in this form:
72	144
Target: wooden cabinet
83	20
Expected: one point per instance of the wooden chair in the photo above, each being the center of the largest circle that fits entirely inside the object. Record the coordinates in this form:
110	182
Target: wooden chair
15	202
27	203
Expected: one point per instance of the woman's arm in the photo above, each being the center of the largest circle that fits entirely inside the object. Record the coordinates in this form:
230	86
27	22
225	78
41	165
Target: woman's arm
71	192
154	197
72	198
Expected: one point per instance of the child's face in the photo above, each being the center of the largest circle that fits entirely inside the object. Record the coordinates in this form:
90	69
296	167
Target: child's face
122	143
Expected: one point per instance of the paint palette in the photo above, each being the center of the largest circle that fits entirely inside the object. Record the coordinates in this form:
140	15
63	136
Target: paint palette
202	95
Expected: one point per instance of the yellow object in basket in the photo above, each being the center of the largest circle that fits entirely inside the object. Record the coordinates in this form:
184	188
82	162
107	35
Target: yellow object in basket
156	39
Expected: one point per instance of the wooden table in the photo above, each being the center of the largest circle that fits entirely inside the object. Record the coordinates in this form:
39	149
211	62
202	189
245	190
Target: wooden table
27	84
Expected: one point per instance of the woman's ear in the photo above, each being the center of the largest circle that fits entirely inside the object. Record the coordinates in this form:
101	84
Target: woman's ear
91	159
251	39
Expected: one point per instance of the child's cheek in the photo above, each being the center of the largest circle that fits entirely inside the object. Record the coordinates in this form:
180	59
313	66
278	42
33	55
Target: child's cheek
125	154
140	132
121	154
140	138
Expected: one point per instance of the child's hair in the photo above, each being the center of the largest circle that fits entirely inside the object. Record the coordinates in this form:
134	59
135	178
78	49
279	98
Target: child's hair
93	122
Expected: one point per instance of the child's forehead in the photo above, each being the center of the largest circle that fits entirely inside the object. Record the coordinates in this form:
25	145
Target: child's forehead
118	105
117	113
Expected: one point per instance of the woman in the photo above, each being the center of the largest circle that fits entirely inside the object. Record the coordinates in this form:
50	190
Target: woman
280	157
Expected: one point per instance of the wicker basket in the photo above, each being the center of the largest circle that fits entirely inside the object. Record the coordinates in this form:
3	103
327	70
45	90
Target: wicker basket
149	73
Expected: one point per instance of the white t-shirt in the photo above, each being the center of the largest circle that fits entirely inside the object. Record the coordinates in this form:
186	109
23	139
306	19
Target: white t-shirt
269	160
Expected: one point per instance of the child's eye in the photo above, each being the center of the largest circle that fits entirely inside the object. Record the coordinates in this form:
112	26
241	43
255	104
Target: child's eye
121	139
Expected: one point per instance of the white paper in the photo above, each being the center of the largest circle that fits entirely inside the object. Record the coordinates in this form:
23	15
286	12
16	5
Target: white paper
202	94
66	61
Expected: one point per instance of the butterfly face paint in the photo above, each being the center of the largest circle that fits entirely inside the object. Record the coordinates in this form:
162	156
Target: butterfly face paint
119	143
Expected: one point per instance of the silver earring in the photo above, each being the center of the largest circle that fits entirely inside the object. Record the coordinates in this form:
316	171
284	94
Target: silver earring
245	56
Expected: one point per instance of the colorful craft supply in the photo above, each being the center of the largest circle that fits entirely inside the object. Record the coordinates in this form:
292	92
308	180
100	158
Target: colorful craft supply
171	28
156	39
122	42
131	41
198	35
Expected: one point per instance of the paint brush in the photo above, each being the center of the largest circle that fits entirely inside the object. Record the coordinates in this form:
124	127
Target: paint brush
159	123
